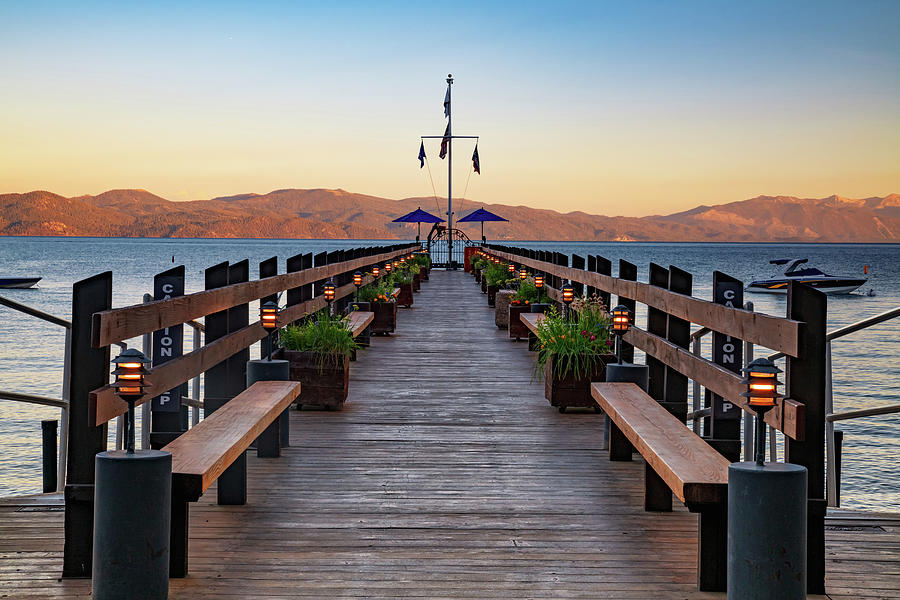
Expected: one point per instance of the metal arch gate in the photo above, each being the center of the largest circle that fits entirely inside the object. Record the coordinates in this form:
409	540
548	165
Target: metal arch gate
439	248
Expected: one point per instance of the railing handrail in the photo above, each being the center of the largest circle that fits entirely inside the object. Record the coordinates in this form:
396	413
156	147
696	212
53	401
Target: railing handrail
890	409
35	312
33	399
124	323
853	328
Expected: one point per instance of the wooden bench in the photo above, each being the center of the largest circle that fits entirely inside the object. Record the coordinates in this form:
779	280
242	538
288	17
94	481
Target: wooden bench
676	460
531	320
216	447
359	323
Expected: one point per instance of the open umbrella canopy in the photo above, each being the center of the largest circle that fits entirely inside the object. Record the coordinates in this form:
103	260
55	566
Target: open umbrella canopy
480	215
418	216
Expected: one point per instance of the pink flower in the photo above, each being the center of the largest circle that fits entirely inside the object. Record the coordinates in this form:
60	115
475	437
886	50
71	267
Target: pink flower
609	343
593	337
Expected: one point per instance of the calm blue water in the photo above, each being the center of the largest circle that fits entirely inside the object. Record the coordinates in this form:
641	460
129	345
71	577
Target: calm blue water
867	370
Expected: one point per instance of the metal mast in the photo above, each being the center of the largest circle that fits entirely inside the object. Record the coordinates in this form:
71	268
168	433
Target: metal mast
449	173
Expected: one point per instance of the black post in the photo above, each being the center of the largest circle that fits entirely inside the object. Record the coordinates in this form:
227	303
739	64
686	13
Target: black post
166	422
656	324
578	263
723	427
628	272
592	267
90	370
48	454
805	383
679	333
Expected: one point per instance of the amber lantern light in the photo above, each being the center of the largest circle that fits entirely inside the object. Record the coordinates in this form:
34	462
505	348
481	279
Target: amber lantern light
387	268
357	281
511	268
523	273
568	295
375	272
538	281
761	379
621	320
328	290
268	317
131	371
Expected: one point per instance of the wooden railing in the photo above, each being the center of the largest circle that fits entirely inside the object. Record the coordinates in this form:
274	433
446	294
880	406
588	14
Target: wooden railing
114	325
799	337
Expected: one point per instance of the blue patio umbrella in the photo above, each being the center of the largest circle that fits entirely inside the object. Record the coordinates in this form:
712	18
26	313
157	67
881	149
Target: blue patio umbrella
481	215
418	216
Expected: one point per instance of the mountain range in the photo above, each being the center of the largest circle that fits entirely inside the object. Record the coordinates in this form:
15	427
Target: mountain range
321	213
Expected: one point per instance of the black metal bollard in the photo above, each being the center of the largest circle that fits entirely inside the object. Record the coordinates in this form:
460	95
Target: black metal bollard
48	454
766	531
132	517
278	434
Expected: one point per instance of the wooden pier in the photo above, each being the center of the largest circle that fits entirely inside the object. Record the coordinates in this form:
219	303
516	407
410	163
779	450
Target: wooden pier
446	475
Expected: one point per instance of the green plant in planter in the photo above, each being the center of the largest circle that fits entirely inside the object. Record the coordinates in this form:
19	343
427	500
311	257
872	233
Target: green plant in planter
574	345
528	293
378	291
325	336
497	274
421	260
479	262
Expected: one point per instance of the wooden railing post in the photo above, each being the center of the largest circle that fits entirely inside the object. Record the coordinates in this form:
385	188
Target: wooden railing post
724	423
657	321
678	331
628	272
89	370
805	383
167	416
604	267
578	263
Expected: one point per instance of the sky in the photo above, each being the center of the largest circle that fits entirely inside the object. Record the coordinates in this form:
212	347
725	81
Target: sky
619	108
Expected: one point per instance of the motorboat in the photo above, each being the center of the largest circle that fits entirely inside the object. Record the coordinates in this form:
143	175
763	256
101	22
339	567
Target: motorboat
18	282
798	271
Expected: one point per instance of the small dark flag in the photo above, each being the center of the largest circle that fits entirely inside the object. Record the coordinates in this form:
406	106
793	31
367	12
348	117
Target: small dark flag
422	154
445	141
476	164
447	102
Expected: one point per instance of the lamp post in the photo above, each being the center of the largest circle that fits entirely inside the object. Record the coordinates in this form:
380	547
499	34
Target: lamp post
568	295
132	503
375	273
387	268
328	291
511	268
130	372
523	273
761	379
766	545
538	281
268	317
357	281
621	321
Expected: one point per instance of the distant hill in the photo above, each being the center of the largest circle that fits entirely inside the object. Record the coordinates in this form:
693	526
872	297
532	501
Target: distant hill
338	214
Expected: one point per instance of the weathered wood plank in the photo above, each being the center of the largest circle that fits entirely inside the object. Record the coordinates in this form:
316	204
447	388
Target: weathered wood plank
203	453
695	472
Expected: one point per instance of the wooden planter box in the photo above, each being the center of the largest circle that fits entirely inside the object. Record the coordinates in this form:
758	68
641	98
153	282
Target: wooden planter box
570	392
423	273
385	317
405	297
501	308
416	282
492	293
327	388
517	329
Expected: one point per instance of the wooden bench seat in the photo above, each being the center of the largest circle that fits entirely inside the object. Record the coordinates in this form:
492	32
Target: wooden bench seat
677	460
216	447
531	320
358	320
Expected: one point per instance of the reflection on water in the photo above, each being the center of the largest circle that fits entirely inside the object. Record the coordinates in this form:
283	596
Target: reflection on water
865	375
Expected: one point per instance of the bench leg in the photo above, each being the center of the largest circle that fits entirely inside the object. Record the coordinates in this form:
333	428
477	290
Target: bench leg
232	488
657	496
178	536
285	421
619	446
533	343
712	549
268	444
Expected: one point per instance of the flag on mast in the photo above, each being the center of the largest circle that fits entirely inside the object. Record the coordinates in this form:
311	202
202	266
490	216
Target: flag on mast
476	164
422	154
447	102
445	141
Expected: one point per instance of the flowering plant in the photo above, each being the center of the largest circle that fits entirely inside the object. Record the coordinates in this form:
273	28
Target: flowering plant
378	291
528	293
574	344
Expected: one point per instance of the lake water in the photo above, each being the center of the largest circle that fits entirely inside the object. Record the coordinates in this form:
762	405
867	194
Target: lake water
866	365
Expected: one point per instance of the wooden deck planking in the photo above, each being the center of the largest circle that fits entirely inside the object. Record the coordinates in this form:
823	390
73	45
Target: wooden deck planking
447	475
